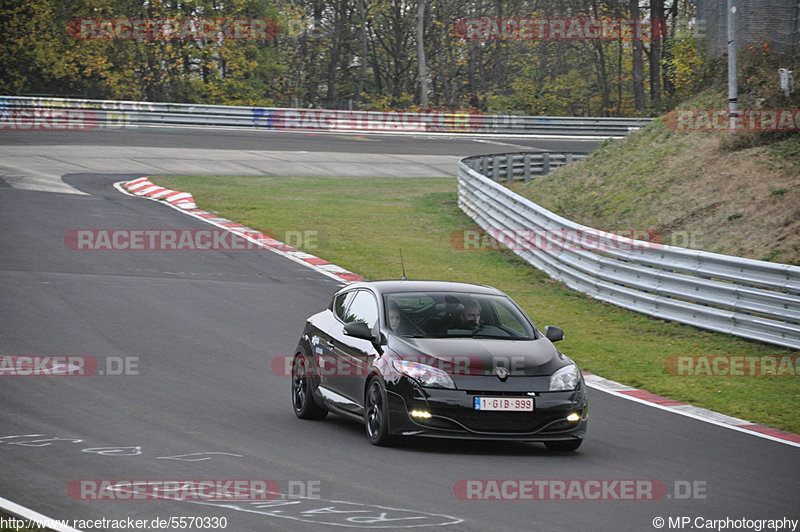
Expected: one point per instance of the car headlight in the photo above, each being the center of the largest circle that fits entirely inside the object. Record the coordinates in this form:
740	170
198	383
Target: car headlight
424	374
567	378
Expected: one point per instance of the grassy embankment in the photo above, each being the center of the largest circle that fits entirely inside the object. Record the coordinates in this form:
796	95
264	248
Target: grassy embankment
704	190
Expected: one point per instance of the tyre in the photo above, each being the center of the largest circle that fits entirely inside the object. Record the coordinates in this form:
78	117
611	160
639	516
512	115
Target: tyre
302	402
376	416
564	446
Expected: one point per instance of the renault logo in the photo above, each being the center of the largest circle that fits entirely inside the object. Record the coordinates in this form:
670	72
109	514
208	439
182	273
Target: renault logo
502	373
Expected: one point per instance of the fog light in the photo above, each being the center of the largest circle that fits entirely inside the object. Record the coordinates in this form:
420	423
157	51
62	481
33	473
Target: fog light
420	413
573	417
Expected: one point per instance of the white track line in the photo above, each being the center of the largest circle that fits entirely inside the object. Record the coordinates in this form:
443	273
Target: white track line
35	517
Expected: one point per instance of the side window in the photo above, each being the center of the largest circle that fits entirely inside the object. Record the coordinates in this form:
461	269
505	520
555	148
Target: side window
341	302
509	320
363	308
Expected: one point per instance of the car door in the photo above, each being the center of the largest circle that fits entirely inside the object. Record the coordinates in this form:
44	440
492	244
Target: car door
353	356
323	345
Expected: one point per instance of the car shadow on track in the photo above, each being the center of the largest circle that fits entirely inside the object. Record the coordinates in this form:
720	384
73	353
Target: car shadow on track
346	428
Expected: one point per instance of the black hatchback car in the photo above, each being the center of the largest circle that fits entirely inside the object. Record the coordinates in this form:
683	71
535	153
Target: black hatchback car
438	359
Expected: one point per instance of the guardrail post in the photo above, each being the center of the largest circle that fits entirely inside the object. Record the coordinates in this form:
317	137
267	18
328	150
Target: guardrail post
545	163
526	170
495	168
509	169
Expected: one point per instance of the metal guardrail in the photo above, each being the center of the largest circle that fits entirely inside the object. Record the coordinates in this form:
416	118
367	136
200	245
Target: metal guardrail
524	165
17	112
749	298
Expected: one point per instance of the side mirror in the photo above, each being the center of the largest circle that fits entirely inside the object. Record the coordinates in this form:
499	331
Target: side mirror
359	329
553	333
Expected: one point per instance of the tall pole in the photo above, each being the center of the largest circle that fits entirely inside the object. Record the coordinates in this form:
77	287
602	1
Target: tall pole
421	62
733	100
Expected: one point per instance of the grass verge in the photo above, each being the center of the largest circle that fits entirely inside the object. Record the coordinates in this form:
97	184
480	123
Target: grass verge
361	223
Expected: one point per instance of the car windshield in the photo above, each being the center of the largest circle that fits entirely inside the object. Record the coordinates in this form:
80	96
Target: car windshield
455	315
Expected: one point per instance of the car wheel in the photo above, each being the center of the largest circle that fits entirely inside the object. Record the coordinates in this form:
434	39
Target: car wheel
376	418
303	403
563	446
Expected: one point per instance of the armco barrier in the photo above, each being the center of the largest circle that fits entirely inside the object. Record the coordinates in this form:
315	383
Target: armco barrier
511	166
18	112
749	298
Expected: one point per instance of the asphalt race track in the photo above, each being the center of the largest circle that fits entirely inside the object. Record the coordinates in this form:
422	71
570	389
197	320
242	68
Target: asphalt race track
199	399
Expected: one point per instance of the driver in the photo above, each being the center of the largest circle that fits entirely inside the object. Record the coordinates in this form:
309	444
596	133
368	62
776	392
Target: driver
470	317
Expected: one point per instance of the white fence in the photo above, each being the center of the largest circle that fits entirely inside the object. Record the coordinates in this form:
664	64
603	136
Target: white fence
749	298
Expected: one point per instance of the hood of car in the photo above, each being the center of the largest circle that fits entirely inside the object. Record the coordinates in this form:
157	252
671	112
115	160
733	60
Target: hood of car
482	356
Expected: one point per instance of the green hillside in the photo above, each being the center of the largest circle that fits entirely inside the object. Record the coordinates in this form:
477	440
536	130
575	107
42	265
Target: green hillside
737	194
689	189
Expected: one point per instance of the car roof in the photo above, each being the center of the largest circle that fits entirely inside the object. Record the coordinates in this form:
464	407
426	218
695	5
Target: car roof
413	285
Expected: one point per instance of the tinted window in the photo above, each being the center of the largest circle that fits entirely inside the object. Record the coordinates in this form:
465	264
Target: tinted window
363	308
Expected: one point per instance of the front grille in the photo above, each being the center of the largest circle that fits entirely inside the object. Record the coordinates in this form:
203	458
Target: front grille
500	421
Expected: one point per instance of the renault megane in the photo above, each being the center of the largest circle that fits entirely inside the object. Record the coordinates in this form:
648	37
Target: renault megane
438	359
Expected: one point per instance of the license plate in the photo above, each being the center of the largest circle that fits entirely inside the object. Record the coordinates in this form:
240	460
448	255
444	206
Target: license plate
504	404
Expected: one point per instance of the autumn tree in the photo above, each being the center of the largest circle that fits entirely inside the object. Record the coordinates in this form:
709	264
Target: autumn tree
352	53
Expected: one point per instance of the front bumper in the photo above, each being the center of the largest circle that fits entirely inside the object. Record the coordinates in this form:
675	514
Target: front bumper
454	416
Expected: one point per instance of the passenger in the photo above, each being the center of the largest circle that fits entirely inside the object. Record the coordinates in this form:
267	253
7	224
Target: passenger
396	322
